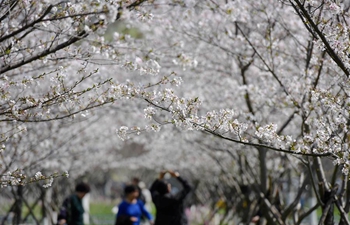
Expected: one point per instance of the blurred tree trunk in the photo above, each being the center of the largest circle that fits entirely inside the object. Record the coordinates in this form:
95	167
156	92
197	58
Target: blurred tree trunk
18	206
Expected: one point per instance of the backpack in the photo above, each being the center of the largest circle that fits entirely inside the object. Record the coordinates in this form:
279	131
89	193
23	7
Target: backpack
65	210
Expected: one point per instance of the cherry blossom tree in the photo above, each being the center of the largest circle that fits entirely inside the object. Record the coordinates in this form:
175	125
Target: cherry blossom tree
269	76
45	75
258	90
48	87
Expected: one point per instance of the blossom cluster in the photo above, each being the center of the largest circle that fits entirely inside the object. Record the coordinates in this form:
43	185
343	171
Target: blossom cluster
17	177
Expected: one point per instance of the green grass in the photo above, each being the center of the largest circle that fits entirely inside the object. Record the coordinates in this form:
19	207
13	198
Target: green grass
101	213
4	207
101	208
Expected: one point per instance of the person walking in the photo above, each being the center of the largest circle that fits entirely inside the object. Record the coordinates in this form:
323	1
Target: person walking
131	208
169	207
144	196
136	182
72	210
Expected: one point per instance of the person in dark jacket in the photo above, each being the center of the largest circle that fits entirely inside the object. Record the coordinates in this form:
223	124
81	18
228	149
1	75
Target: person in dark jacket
71	212
169	207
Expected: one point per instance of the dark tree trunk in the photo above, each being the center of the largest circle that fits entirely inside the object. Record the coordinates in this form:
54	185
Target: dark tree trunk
18	206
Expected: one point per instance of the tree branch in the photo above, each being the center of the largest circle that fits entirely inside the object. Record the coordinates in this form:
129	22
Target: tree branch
28	25
320	35
72	40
